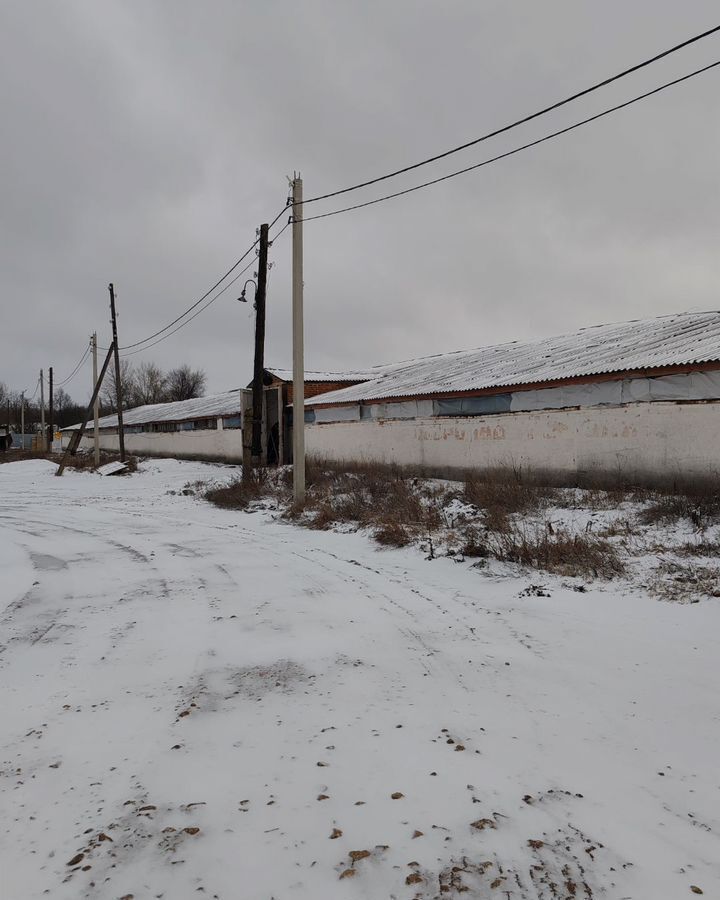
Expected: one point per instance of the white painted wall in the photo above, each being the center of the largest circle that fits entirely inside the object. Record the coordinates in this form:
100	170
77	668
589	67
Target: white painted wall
655	441
210	444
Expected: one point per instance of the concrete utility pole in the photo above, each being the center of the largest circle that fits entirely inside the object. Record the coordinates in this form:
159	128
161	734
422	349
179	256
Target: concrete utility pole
259	367
43	436
118	385
77	435
298	345
51	429
96	404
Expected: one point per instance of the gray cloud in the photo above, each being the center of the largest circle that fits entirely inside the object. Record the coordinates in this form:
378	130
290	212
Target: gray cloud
144	143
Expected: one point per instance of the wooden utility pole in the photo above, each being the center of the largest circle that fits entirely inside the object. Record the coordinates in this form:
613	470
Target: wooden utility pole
96	404
77	436
118	385
259	367
22	421
51	429
298	345
43	436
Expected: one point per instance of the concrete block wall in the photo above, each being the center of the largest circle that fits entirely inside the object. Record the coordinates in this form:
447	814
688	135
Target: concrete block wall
645	442
220	444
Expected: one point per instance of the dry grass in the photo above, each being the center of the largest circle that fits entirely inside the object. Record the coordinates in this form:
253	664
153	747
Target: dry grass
474	543
393	534
664	509
702	547
19	455
501	494
557	551
683	583
399	508
239	494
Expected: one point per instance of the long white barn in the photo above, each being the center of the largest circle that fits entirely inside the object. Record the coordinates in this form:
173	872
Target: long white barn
636	401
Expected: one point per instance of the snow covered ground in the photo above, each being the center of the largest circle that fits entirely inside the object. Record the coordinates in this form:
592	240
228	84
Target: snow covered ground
206	703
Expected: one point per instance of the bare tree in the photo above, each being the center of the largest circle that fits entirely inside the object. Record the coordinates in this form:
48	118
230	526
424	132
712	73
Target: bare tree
185	383
149	385
108	392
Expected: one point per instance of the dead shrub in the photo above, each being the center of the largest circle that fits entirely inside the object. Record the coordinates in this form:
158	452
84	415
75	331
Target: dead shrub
474	545
664	509
703	547
503	494
558	551
20	455
682	583
392	534
243	491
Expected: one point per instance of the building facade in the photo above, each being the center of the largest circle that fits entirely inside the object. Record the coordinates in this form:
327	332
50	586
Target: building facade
635	402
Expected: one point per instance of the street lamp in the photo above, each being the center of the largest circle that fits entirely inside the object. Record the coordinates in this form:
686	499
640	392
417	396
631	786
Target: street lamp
242	298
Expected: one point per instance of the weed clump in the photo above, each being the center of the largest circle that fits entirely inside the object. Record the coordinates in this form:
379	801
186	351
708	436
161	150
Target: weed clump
665	509
557	551
239	494
503	494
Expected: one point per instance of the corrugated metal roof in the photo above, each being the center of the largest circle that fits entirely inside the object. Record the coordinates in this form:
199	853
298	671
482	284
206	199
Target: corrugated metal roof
680	339
225	404
352	375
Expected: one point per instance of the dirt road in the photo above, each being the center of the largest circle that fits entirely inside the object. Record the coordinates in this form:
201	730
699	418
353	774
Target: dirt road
201	703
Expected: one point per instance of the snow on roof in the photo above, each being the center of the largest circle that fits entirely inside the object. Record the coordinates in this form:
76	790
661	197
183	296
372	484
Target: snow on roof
225	404
680	339
352	375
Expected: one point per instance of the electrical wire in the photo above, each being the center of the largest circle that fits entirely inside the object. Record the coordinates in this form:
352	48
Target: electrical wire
30	399
76	369
522	121
206	294
193	316
542	140
212	299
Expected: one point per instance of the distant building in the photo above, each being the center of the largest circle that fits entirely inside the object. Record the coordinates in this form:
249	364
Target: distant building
211	427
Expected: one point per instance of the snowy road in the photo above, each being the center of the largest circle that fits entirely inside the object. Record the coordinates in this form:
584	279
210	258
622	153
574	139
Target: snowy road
202	703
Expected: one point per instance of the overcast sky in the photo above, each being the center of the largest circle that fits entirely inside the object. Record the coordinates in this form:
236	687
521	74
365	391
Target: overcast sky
144	142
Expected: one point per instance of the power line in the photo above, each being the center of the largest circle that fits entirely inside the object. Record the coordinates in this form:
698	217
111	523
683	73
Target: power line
206	294
212	299
30	399
203	308
194	315
542	140
76	369
522	121
197	302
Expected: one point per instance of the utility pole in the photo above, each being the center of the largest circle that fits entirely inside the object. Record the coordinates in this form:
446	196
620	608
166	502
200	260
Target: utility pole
259	367
77	435
50	387
43	436
96	404
298	345
118	385
22	420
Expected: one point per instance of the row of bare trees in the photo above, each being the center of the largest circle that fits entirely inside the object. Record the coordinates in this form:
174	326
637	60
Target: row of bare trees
66	410
142	384
147	383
